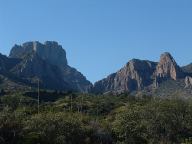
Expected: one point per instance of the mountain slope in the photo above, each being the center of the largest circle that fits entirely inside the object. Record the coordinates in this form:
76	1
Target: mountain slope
168	68
45	62
134	76
6	64
138	75
188	69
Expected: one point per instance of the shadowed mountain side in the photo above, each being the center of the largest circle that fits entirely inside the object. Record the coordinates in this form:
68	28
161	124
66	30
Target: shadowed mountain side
45	62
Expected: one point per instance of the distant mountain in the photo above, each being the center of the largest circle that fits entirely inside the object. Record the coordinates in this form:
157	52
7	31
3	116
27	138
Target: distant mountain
135	75
188	69
46	62
142	75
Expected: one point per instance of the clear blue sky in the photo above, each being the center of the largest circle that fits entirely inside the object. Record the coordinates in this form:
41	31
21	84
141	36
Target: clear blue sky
100	36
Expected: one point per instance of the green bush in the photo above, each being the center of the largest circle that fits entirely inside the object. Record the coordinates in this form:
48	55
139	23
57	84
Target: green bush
166	121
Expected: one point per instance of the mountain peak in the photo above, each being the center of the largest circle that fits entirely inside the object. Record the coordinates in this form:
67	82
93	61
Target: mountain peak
50	51
44	61
135	75
167	57
140	74
167	67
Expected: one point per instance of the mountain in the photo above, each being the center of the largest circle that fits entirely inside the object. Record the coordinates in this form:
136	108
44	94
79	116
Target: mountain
46	62
168	68
187	69
50	51
143	75
135	75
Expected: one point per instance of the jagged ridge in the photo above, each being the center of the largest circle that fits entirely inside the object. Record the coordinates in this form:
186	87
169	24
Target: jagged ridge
139	74
46	62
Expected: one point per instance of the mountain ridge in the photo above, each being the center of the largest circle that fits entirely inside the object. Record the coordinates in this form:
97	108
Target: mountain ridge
138	75
47	62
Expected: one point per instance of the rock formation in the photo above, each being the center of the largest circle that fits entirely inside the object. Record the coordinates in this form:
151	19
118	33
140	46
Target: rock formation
188	81
139	74
168	68
134	76
46	62
50	51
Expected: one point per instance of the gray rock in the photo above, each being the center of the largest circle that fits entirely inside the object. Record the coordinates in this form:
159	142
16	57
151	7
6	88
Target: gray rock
48	63
134	76
188	81
140	74
50	51
168	68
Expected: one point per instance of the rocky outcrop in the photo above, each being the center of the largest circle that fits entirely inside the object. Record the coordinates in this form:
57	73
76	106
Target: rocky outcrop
50	51
138	74
134	76
48	63
188	81
32	68
168	68
45	62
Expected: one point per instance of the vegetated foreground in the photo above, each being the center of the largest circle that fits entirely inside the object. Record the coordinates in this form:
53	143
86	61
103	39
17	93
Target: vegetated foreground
74	118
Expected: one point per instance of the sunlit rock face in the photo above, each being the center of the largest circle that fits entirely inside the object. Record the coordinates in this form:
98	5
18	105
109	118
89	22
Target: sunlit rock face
188	81
168	68
50	51
140	74
135	75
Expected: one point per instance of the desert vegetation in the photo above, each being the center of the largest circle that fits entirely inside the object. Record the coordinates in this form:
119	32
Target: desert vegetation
75	118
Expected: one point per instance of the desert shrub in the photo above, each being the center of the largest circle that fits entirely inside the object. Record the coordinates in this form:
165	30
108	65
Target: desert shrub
165	121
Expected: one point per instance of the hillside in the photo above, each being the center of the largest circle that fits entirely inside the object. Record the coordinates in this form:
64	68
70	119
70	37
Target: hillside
46	62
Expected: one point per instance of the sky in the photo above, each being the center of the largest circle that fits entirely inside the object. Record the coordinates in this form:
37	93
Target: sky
101	36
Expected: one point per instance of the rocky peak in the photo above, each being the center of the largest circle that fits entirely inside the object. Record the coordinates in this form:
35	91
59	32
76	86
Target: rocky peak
141	74
168	68
50	51
135	75
47	62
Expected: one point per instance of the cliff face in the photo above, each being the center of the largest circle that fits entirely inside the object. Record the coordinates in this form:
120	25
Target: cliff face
134	76
138	74
168	68
48	63
50	52
188	81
